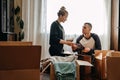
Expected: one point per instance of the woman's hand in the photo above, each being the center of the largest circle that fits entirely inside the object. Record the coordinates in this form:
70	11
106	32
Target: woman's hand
69	43
74	47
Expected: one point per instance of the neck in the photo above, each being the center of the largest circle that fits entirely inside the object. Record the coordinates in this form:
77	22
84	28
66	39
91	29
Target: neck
87	35
59	20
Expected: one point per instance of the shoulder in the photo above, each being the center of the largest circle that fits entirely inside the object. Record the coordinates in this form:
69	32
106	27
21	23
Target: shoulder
54	23
95	36
80	37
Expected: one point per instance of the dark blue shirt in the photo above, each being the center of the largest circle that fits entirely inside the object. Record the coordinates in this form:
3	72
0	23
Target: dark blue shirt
97	43
56	33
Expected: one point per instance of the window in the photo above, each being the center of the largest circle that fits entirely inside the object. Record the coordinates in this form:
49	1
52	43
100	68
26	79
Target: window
97	12
80	11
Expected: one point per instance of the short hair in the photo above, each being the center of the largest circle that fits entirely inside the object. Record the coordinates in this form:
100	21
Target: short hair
62	11
89	24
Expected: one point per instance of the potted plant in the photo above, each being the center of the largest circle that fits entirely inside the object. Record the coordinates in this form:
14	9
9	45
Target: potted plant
20	23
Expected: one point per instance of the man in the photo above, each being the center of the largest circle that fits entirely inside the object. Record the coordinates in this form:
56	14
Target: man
87	43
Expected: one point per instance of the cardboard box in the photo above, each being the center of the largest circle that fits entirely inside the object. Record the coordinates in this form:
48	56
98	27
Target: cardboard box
20	62
78	63
113	66
100	57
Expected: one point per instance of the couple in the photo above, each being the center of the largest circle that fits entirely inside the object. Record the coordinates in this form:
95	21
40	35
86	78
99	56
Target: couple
85	43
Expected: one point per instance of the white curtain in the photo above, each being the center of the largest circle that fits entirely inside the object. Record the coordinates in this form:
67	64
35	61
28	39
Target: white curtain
34	17
97	12
105	37
34	14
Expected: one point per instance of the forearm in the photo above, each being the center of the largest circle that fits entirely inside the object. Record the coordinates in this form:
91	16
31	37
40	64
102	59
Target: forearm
65	42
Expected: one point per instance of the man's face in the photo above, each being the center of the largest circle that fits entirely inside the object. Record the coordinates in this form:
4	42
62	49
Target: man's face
86	29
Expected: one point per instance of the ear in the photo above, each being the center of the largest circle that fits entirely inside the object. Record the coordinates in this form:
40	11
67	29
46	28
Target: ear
90	28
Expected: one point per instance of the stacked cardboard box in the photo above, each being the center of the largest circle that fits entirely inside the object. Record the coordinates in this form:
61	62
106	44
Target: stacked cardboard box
100	57
20	62
113	66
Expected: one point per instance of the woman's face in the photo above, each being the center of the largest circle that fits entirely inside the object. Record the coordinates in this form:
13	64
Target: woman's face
63	18
86	29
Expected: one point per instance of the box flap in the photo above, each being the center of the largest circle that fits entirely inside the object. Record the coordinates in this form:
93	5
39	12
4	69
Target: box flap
83	63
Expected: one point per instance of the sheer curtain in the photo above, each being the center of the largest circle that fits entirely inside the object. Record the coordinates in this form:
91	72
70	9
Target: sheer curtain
105	38
97	12
34	17
37	26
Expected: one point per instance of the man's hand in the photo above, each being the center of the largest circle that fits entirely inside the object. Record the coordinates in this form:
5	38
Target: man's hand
86	50
74	47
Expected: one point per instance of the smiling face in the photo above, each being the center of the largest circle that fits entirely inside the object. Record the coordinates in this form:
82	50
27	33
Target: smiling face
62	14
63	18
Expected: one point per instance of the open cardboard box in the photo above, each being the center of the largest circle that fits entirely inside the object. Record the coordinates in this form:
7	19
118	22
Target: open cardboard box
78	63
113	66
100	57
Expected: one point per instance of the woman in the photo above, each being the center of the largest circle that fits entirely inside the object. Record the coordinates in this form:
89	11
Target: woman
57	34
